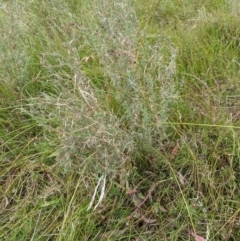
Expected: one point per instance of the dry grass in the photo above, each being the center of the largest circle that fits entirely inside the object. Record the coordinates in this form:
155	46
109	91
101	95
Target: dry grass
119	121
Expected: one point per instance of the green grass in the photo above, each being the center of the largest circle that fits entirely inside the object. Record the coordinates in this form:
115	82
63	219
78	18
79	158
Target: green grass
138	104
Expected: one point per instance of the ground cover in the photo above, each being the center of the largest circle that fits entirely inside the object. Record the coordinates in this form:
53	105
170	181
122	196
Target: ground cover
119	120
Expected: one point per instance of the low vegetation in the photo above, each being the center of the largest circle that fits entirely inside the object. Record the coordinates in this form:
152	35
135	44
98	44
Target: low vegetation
119	120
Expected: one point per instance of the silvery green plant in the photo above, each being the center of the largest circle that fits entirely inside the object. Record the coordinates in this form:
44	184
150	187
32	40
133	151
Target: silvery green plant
137	71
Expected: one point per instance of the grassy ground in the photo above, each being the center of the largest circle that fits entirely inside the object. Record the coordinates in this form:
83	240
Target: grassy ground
119	120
